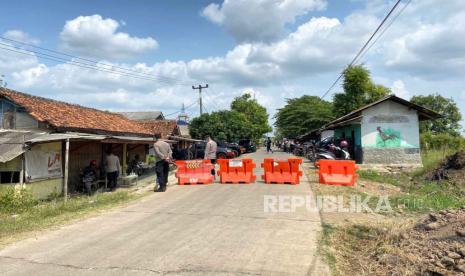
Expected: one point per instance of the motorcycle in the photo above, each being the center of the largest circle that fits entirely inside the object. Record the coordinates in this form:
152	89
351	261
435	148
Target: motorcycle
332	153
136	168
88	181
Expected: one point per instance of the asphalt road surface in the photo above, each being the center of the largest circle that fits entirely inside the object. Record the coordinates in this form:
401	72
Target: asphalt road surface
218	229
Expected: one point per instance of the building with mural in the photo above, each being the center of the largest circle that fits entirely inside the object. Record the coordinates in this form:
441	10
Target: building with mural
385	132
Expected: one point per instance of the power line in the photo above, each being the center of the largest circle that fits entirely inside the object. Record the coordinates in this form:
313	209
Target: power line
363	48
386	28
186	107
74	63
158	76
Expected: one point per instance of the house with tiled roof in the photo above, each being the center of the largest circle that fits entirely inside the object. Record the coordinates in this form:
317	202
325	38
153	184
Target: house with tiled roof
38	134
29	111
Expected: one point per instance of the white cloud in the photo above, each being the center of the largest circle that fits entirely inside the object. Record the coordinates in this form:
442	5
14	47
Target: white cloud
263	20
21	36
97	37
304	61
13	60
398	88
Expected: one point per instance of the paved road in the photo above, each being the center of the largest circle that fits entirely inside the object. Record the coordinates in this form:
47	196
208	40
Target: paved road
189	230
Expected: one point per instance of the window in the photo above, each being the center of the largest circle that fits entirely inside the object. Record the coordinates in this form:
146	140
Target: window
9	177
8	115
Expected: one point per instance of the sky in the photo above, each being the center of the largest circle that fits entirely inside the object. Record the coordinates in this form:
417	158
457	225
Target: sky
272	49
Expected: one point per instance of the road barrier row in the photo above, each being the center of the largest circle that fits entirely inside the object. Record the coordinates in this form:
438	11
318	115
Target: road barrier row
239	171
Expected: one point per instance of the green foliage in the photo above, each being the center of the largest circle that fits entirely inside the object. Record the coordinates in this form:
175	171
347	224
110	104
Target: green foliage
444	106
246	120
441	141
359	90
222	125
255	114
16	201
301	115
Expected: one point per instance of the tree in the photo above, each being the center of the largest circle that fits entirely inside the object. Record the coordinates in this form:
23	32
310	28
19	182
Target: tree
359	90
444	106
221	125
303	114
255	114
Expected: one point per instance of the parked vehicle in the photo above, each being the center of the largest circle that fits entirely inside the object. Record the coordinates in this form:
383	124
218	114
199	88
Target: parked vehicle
136	167
88	180
326	149
248	145
197	151
232	146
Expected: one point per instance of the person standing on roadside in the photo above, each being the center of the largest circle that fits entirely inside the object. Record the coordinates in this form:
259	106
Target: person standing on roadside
163	156
210	152
112	167
268	145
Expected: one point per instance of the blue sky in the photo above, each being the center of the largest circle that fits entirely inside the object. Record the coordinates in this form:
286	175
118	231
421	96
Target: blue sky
275	49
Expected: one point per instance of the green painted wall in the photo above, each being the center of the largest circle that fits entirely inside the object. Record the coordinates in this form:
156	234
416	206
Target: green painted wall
347	130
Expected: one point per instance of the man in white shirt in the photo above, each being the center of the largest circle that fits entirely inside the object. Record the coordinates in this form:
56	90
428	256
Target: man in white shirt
112	168
210	152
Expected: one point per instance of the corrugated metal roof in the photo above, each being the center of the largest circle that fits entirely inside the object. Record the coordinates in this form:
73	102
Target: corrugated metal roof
11	143
423	113
143	115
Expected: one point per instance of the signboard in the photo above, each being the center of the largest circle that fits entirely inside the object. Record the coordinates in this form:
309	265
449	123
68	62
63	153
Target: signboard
235	163
43	164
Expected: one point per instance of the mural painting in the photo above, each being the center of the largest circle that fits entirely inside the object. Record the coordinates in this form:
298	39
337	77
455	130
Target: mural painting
388	138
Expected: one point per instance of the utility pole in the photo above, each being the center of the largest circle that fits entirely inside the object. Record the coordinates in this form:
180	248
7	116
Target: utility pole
200	87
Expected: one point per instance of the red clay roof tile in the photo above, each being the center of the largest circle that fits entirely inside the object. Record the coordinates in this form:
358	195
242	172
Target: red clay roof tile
73	117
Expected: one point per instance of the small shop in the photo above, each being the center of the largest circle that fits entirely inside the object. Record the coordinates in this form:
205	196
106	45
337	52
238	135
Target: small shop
45	144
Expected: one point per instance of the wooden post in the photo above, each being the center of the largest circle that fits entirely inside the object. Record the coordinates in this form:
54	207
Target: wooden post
65	181
21	174
125	156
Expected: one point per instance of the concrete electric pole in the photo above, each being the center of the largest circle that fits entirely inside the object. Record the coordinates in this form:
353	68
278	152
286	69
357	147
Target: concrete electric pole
200	87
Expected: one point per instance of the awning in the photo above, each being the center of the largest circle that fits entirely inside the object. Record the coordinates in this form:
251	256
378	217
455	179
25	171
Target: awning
11	143
180	138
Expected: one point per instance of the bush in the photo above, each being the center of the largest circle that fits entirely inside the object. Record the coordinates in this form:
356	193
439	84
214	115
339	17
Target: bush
443	141
16	201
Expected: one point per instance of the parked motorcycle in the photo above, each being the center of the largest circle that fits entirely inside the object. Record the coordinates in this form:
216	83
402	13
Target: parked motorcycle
333	152
136	167
88	179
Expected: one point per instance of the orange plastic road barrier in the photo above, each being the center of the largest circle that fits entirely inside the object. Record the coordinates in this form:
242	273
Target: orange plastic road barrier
236	170
337	172
194	172
282	171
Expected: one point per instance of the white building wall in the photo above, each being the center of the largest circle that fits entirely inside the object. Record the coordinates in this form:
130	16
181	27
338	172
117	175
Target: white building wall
390	134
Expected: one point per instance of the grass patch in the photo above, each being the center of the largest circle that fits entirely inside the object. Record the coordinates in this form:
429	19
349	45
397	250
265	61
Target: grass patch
431	160
393	179
44	214
432	197
325	245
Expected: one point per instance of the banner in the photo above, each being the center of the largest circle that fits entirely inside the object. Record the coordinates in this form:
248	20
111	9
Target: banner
43	164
